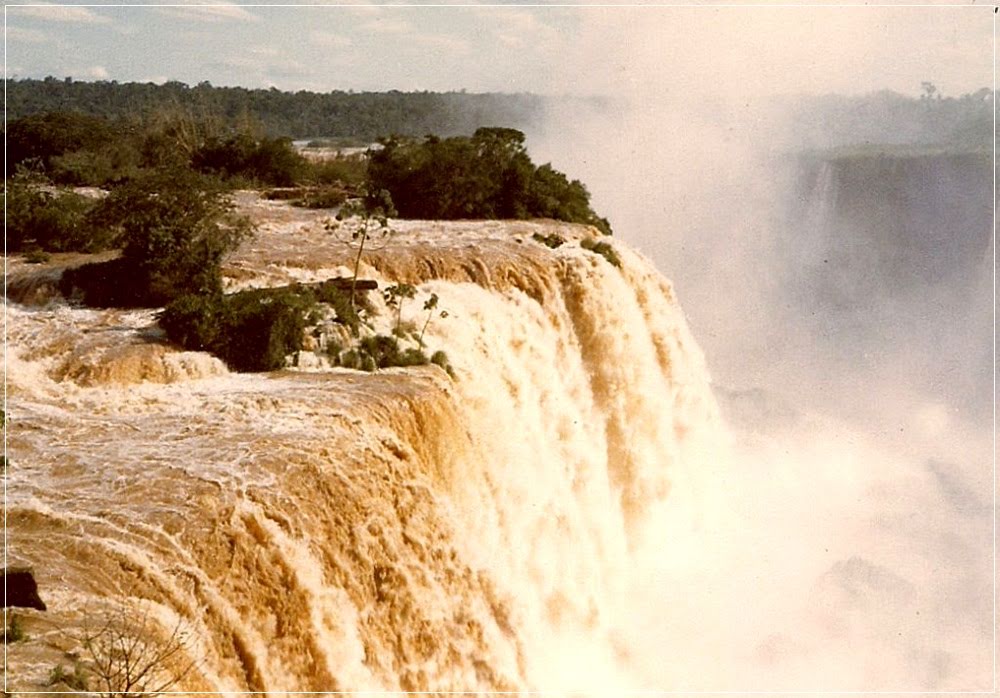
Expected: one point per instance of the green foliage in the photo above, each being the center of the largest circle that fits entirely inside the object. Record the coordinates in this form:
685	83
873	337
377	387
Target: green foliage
37	256
266	160
602	248
175	226
251	330
77	680
486	176
439	358
374	206
385	352
261	327
342	170
345	312
394	297
195	321
13	632
552	240
325	197
44	137
430	305
353	118
43	217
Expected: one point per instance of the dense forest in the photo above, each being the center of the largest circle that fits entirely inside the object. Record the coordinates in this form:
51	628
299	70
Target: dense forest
357	116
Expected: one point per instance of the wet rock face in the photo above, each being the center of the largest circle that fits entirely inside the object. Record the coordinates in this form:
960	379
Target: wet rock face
21	588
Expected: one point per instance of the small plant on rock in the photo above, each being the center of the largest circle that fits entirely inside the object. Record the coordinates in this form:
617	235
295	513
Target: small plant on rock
13	632
430	305
394	297
552	240
602	248
374	207
75	680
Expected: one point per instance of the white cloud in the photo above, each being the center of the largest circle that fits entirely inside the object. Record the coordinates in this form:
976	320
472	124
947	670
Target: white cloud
448	44
210	13
265	61
387	25
60	13
329	39
98	72
27	36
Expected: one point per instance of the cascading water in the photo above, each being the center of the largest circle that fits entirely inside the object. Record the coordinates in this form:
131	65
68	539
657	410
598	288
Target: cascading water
330	530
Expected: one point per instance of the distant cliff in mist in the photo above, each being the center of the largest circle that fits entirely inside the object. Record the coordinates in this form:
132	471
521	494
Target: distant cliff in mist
892	219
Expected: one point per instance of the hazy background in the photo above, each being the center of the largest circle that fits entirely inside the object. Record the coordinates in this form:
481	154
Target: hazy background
846	543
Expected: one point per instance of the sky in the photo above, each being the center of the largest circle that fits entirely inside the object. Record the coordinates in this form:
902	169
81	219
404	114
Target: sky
669	51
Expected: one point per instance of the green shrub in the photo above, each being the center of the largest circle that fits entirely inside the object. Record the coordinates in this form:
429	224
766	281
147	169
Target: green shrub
486	176
175	226
439	358
602	248
326	197
552	240
343	170
43	217
106	166
36	256
266	160
77	680
13	632
382	351
194	321
250	330
43	137
260	328
340	301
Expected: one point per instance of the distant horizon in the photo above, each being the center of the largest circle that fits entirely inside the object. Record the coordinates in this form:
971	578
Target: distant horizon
580	96
649	53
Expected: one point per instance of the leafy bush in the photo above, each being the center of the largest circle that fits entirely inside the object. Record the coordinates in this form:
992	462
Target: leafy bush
386	352
267	160
439	358
552	240
176	226
36	256
343	170
345	312
13	632
42	217
602	248
43	137
326	197
194	321
250	330
486	176
77	680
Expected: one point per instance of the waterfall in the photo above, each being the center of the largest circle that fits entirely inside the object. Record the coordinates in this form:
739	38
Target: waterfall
332	530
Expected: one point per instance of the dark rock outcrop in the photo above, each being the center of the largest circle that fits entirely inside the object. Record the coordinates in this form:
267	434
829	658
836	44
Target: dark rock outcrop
20	587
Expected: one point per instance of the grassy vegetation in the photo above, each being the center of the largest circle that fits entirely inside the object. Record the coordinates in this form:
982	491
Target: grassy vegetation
13	632
552	240
76	680
602	248
488	175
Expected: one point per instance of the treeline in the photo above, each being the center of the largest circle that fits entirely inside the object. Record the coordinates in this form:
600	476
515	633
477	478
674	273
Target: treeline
76	149
361	116
964	122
